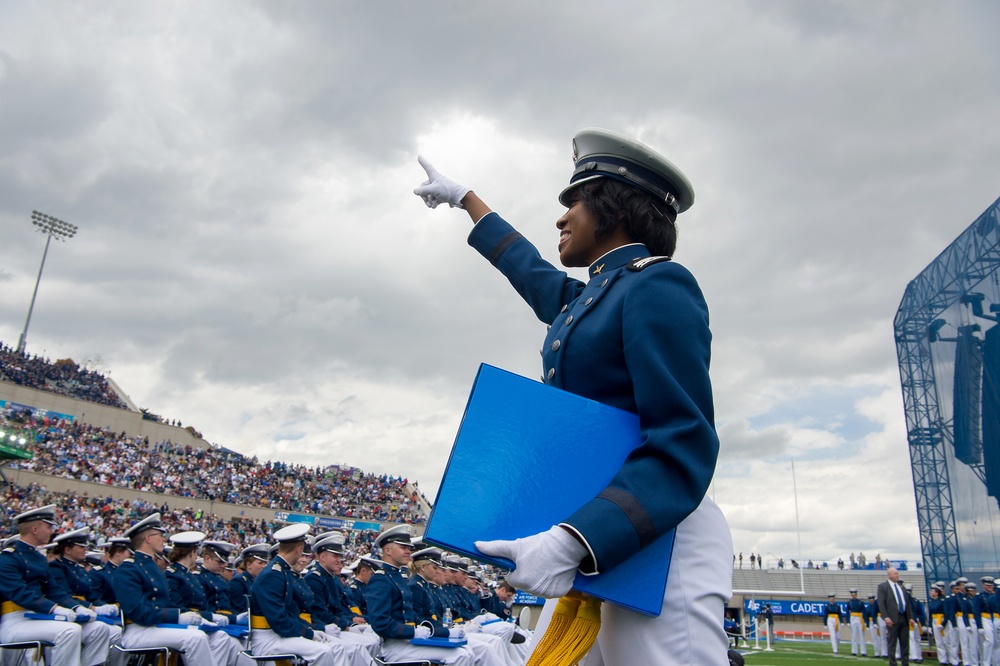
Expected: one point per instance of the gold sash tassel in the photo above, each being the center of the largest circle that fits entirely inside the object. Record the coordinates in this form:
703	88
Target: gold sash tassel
571	632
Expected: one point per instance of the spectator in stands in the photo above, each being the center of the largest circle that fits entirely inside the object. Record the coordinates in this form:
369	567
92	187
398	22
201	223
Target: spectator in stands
63	377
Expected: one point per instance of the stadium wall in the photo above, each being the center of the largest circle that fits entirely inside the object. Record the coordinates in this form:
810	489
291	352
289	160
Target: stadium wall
102	416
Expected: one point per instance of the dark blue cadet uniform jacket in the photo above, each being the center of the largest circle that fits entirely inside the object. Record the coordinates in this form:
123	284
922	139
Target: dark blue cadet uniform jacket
239	588
144	593
24	578
273	597
390	604
217	592
70	584
634	336
186	590
330	603
103	576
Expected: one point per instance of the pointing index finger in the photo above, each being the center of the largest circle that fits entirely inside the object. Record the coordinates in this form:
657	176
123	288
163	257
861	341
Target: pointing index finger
432	173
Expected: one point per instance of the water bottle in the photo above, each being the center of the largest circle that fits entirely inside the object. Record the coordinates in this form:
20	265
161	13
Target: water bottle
447	617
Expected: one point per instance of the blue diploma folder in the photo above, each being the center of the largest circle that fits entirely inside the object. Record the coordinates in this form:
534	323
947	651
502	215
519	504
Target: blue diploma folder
554	452
439	642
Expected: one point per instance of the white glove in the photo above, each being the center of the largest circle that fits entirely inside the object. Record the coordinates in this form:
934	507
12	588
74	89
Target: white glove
62	611
483	618
421	632
545	563
358	628
242	618
83	611
332	629
111	610
322	637
437	189
220	620
456	632
190	617
471	628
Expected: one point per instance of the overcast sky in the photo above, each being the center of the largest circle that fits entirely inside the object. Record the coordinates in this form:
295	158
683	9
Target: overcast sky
251	259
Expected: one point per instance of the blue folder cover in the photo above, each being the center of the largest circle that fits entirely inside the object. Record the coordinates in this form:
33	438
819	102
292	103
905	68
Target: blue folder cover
81	619
439	642
556	451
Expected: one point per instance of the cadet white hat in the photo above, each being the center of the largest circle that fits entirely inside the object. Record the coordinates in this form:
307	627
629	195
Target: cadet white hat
432	554
44	513
400	534
152	522
95	557
601	153
258	551
333	542
292	533
187	538
221	549
80	537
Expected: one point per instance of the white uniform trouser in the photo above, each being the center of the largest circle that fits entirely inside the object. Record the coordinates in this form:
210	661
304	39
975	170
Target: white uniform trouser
857	636
265	641
368	640
873	634
986	640
963	638
833	627
883	637
916	652
193	642
395	649
357	649
951	635
970	649
73	644
489	650
689	630
504	631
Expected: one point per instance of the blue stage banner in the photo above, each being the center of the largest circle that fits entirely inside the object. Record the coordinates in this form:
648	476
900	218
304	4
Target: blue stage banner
525	599
786	607
36	412
284	516
329	523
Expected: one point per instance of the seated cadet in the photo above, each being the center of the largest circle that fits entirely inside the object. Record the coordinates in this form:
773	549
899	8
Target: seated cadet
117	550
253	560
471	610
329	603
362	568
72	586
428	605
390	606
24	587
215	558
144	596
187	592
275	613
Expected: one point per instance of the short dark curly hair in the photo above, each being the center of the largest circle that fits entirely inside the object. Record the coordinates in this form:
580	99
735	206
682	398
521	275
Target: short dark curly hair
646	220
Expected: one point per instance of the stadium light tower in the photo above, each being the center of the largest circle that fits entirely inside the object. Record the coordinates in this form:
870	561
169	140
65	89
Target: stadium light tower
53	228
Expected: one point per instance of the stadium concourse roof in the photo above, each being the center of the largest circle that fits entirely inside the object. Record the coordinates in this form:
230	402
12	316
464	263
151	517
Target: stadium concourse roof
780	583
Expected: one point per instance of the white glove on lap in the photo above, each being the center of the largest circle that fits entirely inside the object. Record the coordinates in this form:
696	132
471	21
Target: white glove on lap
190	617
332	629
456	632
546	563
220	619
357	628
62	611
83	611
242	618
322	637
110	610
472	628
437	189
421	632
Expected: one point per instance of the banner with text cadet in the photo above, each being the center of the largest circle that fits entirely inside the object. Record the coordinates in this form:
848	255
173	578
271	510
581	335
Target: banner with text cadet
786	607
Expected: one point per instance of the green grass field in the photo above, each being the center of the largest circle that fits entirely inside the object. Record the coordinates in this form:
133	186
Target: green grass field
789	653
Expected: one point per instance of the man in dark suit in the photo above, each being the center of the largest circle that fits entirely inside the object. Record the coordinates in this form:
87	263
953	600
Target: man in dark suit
895	609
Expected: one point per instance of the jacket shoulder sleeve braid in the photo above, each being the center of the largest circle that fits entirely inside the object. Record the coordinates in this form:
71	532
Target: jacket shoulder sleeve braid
667	352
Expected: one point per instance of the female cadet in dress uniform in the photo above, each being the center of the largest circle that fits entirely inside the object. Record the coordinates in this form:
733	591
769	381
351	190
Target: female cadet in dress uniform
635	336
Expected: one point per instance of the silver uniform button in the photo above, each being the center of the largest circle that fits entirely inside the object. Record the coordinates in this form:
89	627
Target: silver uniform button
555	345
589	301
552	373
605	283
569	319
564	308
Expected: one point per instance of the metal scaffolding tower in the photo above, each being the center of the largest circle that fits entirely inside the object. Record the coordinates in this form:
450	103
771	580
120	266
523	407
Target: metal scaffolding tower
946	283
